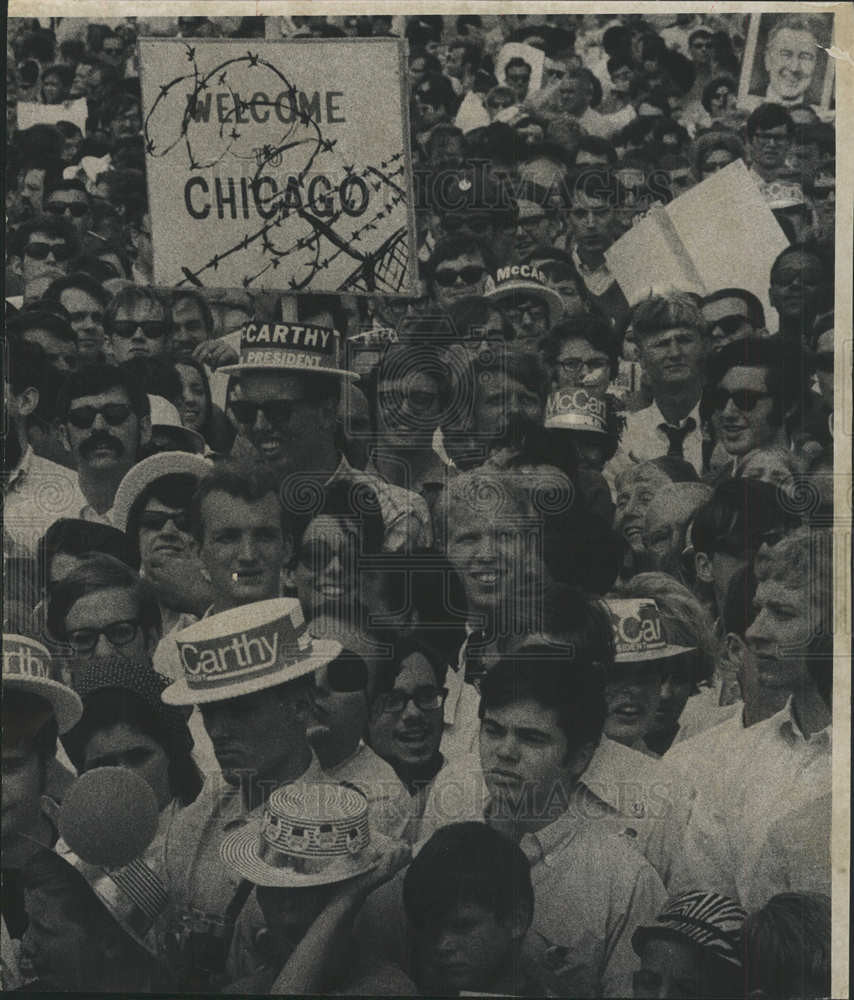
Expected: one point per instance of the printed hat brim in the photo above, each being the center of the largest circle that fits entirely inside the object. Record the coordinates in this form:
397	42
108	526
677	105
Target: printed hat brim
323	651
643	933
66	704
654	654
240	367
552	297
144	473
239	850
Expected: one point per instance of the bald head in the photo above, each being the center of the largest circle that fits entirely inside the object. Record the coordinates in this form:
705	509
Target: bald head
670	512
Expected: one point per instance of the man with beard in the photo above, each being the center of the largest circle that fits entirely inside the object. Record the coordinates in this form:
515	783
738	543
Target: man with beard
290	384
104	420
25	474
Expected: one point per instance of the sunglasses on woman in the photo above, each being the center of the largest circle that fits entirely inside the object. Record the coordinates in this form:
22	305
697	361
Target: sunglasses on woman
152	329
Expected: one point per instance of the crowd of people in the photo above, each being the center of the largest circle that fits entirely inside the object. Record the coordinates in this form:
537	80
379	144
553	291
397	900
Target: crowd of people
485	644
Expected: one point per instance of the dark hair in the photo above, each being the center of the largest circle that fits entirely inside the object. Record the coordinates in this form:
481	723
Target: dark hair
80	280
174	490
437	91
677	470
714	139
20	705
523	366
597	146
76	537
102	572
48	226
198	300
575	691
106	707
67	184
788	947
769	116
243	481
405	645
345	500
597	182
472	312
595	330
467	863
98	378
26	364
782	360
128	297
450	247
207	428
755	311
712	86
739	514
431	62
738	612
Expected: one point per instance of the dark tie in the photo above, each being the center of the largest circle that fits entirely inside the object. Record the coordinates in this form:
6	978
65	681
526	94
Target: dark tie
676	436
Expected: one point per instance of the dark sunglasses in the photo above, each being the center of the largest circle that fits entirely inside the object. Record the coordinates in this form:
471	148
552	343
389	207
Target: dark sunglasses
469	276
744	399
152	329
41	251
156	520
276	411
113	413
729	324
77	208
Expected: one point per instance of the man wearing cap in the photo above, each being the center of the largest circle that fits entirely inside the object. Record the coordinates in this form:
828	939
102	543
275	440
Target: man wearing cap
732	313
104	421
527	300
290	383
250	670
693	948
36	709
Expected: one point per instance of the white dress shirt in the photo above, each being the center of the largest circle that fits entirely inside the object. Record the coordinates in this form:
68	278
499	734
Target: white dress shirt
643	439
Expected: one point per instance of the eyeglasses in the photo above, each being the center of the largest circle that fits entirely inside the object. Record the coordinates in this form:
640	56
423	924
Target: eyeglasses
113	413
41	251
156	520
77	208
80	317
468	276
84	640
276	411
768	137
537	313
426	699
743	399
477	224
152	329
573	366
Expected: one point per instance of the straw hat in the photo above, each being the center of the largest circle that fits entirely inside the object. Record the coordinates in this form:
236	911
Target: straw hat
144	473
577	410
246	649
638	632
525	279
27	667
290	347
311	833
707	919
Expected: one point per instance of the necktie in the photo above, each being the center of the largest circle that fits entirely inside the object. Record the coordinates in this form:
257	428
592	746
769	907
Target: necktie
676	436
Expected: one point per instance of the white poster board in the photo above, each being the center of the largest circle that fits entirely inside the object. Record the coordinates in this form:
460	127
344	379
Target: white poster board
719	234
30	113
279	164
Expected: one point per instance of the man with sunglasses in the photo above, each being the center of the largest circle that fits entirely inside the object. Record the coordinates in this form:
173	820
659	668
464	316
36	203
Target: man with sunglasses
104	420
754	386
732	313
47	324
68	199
474	201
138	324
40	252
458	267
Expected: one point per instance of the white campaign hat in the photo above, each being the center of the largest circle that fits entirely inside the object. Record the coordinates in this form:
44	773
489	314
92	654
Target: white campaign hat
144	473
311	833
164	414
27	667
524	279
638	633
246	649
290	347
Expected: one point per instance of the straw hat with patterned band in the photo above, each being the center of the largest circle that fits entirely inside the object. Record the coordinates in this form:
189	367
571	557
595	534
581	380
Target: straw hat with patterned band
246	649
707	919
311	833
525	279
577	410
27	667
140	476
165	417
639	633
290	347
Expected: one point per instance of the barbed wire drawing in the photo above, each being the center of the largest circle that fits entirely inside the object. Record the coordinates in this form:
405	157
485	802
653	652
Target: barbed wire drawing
298	152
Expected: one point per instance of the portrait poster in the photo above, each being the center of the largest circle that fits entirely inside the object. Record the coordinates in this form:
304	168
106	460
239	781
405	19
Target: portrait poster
278	165
786	59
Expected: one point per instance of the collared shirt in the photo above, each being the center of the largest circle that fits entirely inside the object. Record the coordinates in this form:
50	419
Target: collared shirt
461	722
405	515
591	888
761	775
36	492
644	439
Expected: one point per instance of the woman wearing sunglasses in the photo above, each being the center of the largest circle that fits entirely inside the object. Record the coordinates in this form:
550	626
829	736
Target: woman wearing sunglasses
138	324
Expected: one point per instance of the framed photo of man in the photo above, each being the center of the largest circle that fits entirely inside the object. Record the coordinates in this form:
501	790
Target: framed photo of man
786	61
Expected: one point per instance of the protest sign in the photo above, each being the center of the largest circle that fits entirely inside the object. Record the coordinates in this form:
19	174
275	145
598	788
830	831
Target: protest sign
278	165
31	113
719	234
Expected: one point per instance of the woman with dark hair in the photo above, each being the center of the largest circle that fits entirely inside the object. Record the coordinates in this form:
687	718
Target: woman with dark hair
197	409
125	724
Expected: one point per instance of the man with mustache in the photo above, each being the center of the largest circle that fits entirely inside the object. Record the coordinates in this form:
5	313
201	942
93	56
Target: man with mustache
104	420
